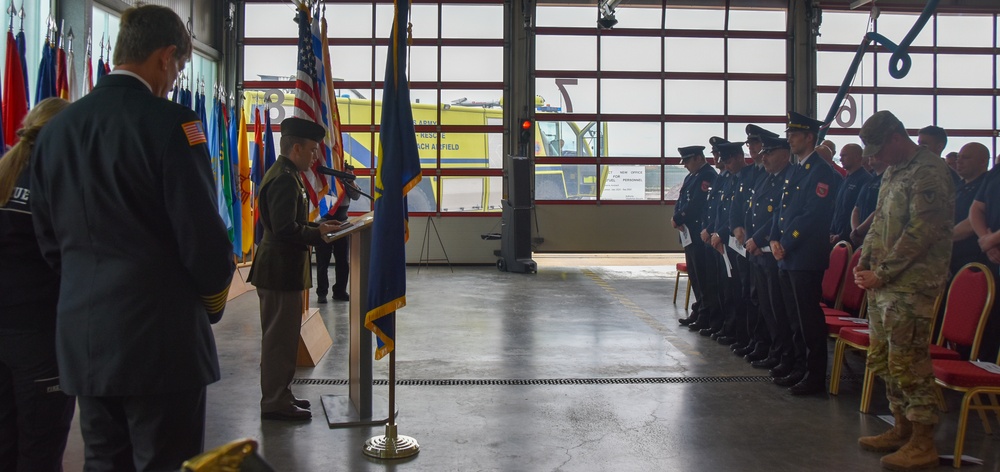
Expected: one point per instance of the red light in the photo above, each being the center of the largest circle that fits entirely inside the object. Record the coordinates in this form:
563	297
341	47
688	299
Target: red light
526	125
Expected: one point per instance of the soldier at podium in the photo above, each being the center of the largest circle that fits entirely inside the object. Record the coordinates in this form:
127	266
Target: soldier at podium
281	269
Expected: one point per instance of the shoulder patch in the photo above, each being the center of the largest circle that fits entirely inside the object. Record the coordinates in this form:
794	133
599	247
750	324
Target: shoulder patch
195	132
705	185
822	189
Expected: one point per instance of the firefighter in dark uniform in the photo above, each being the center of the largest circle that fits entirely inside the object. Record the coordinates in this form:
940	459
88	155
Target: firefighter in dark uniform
690	213
125	209
857	177
766	200
800	242
712	324
758	343
35	415
734	306
281	269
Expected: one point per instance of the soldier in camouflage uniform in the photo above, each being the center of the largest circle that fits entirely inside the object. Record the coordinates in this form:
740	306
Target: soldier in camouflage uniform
902	261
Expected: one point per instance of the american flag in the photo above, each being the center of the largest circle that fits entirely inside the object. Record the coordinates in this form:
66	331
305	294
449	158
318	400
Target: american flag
308	106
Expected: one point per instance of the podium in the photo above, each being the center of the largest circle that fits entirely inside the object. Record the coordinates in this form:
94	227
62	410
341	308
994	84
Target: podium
359	407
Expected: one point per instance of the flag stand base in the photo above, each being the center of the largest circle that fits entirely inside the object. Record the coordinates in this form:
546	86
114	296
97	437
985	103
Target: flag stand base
391	445
341	413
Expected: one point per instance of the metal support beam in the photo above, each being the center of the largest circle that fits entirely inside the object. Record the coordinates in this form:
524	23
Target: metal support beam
803	25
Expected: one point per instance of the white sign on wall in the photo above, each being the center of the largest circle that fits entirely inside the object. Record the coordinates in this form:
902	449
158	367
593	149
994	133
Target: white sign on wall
625	183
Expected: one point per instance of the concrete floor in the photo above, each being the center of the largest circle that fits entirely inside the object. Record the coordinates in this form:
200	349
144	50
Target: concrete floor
576	368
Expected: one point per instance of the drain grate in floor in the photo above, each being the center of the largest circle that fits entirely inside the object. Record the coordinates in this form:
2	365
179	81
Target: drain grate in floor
592	381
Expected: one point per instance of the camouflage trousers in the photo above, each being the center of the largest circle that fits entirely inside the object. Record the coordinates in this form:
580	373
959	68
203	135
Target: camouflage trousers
900	324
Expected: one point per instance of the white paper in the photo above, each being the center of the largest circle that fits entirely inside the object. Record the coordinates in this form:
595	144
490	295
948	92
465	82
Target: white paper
729	266
864	331
853	320
766	249
735	245
685	235
988	366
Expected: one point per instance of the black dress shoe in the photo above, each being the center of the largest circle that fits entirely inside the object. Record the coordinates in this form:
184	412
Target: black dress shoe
290	413
321	299
727	340
808	387
706	332
716	335
766	363
302	403
755	356
743	350
688	320
790	379
341	296
780	370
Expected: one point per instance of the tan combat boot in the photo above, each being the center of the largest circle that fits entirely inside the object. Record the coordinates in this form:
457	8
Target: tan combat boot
890	440
918	453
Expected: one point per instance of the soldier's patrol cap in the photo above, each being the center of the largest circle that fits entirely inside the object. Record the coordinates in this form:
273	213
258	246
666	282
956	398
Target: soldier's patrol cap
302	128
715	141
772	143
755	132
730	150
877	129
691	151
800	122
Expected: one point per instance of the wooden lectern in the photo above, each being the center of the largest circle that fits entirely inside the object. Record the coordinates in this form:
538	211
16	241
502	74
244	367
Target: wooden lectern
359	407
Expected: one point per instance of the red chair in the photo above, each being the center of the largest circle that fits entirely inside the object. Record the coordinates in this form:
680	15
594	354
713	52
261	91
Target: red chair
853	303
970	299
973	381
682	271
833	278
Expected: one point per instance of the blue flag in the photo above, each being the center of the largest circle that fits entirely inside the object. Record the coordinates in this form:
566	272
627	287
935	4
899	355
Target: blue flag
235	201
21	48
267	160
397	172
46	85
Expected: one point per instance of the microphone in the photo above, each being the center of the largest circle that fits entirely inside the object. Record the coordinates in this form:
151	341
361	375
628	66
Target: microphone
336	173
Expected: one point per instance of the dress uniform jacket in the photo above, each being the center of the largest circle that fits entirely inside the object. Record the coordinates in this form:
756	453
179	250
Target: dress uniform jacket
748	178
693	200
282	259
802	222
125	208
766	199
715	197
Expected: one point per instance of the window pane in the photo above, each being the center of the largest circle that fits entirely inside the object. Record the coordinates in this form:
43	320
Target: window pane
472	64
639	16
843	27
673	180
690	18
495	193
343	21
423	196
757	55
852	111
268	61
630	53
582	95
630	96
357	150
757	98
566	16
694	55
472	21
422	64
565	53
915	111
634	139
965	112
569	138
831	68
965	30
694	97
689	134
921	72
471	107
565	182
274	21
757	20
353	63
630	182
464	193
895	26
424	21
965	71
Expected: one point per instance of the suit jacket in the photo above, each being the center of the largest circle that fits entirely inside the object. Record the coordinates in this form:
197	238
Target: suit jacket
282	258
125	209
802	222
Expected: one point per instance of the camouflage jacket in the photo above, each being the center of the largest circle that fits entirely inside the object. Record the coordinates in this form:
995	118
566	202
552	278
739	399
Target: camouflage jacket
909	243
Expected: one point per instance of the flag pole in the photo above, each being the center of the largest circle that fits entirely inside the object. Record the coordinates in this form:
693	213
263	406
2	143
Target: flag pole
391	445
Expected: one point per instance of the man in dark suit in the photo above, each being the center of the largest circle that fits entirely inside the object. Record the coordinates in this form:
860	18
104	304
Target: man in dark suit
125	208
800	242
281	269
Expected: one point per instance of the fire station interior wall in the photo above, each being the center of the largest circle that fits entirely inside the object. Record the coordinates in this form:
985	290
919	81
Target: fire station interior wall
563	228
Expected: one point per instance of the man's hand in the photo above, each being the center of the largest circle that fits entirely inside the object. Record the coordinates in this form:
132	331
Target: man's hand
857	237
994	255
989	240
740	234
705	236
866	279
329	227
753	249
674	223
834	238
777	250
716	241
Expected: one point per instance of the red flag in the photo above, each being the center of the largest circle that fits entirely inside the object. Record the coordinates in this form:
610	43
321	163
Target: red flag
16	105
62	82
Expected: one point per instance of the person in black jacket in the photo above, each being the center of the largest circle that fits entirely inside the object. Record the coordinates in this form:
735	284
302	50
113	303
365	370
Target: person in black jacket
338	249
35	414
689	215
125	209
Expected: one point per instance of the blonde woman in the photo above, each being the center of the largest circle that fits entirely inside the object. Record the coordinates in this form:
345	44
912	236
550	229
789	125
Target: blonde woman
35	414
